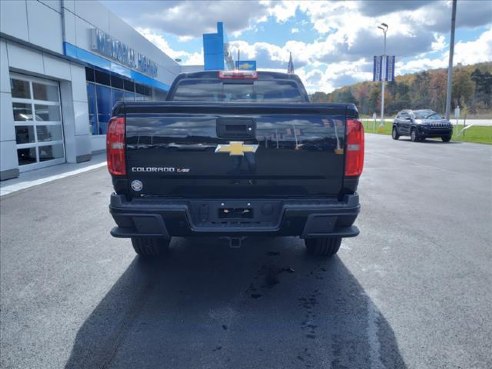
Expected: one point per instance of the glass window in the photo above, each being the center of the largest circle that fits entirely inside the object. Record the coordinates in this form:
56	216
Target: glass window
199	90
45	92
20	88
51	152
91	97
129	85
103	108
26	156
425	114
49	133
41	103
129	96
116	82
89	74
217	90
118	95
24	134
47	113
143	90
22	112
434	116
103	100
102	78
103	120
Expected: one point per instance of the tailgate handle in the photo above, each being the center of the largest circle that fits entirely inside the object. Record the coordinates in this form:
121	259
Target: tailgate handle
236	128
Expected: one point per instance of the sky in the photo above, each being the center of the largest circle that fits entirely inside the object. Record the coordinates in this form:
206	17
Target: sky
332	42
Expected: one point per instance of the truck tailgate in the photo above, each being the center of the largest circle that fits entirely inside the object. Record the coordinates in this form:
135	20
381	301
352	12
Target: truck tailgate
235	150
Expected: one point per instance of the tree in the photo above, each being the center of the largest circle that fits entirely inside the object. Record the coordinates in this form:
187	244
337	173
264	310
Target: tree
419	92
437	93
483	88
463	88
319	97
472	88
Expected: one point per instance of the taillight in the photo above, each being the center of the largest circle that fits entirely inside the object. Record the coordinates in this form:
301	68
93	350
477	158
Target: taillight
115	146
354	158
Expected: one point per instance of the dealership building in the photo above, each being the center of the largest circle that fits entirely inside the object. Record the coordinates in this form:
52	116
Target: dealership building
64	64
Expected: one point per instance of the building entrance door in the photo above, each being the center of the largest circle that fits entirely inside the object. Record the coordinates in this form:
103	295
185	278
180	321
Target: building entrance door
38	122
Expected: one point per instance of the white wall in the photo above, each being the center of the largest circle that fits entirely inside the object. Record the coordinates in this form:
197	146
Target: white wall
21	59
8	150
35	22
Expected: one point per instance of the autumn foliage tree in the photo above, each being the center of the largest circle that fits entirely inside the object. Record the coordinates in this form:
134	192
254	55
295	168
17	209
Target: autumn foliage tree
472	89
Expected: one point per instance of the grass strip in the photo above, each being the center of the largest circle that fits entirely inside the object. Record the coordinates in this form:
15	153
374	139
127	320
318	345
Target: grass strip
475	134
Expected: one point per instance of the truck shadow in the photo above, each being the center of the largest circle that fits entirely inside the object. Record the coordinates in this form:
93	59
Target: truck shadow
266	305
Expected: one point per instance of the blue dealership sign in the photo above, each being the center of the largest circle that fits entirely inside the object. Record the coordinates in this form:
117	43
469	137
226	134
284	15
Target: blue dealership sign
246	65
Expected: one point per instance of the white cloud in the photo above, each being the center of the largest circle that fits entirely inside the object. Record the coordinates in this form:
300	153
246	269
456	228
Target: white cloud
281	10
185	38
440	42
417	65
159	41
344	39
317	76
471	52
189	18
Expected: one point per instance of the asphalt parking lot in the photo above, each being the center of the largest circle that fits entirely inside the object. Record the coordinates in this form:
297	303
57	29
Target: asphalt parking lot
412	291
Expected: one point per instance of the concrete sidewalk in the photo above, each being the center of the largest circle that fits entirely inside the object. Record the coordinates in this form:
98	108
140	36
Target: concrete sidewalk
475	122
40	176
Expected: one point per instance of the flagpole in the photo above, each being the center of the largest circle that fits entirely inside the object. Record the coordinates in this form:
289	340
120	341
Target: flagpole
290	66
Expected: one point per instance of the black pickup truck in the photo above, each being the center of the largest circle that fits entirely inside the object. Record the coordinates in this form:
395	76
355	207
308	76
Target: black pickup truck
235	154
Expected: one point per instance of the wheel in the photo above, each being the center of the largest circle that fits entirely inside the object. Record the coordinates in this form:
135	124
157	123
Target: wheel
323	246
446	138
413	135
150	246
394	133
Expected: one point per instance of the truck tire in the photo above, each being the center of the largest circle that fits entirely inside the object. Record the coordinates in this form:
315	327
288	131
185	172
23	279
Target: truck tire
446	138
150	246
323	246
394	133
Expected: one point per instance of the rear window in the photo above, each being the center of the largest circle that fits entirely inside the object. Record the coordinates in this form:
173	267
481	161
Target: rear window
238	91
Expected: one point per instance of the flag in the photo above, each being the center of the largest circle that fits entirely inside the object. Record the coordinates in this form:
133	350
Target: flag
290	67
377	72
390	68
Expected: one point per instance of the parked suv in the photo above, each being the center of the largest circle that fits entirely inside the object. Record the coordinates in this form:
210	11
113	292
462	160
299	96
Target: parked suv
421	124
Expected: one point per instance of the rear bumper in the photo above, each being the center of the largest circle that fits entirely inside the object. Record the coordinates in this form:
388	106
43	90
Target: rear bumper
170	217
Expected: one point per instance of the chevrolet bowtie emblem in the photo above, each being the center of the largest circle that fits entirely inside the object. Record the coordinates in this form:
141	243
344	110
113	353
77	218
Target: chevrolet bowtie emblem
236	148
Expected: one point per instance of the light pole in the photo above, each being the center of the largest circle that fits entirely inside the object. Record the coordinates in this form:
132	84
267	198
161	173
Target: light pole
384	28
450	65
